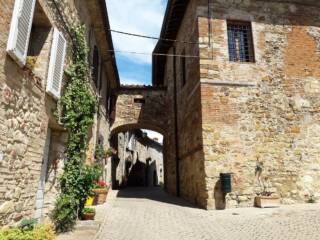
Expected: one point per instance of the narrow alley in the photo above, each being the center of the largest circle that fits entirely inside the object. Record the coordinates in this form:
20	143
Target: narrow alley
159	120
150	213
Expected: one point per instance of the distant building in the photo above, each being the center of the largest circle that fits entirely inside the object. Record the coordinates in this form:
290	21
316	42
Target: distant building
140	161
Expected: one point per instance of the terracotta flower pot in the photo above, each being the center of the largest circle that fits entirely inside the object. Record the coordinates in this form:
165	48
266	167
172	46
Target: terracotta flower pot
267	201
88	216
101	195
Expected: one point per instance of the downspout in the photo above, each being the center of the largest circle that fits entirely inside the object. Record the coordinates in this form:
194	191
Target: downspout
209	24
176	131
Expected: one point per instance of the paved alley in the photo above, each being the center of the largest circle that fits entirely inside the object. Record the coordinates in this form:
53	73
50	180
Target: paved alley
151	214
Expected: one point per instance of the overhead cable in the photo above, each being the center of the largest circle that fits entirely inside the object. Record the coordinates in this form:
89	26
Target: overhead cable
151	37
155	54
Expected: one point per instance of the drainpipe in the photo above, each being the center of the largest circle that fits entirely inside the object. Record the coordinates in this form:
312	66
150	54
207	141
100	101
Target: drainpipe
209	24
176	131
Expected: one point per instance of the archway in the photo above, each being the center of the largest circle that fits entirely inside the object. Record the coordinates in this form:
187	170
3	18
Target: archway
147	108
140	158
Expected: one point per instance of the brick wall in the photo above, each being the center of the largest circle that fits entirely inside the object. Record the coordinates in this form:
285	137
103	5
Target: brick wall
267	111
232	116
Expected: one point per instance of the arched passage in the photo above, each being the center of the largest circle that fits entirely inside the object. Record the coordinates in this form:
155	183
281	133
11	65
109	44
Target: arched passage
148	108
135	126
140	159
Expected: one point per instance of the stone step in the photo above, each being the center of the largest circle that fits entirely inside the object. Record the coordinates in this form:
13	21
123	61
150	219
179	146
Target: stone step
88	225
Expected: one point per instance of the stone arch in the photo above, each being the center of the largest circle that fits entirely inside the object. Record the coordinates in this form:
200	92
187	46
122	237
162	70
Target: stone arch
140	107
134	126
136	107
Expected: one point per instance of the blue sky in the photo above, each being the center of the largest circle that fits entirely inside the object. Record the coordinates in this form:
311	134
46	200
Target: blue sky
135	16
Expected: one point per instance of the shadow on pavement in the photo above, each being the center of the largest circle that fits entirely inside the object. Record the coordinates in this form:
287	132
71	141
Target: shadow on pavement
154	194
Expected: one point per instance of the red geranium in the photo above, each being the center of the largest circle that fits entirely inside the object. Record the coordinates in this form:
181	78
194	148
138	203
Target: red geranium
101	184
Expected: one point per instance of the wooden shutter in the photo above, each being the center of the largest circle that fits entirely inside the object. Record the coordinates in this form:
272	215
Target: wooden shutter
57	56
20	30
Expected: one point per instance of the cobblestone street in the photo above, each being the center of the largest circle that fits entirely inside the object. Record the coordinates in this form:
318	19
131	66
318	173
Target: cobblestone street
145	214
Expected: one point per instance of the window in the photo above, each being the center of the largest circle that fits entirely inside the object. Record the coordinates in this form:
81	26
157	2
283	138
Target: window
31	44
95	66
20	30
183	69
139	100
240	41
55	72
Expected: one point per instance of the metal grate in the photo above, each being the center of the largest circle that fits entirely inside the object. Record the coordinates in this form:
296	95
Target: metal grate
240	41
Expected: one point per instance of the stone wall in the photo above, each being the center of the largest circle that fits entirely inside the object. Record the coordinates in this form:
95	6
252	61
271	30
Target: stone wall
140	107
234	116
263	112
189	115
27	112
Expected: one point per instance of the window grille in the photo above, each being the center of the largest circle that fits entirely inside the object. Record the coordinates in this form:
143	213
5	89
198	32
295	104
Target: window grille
240	41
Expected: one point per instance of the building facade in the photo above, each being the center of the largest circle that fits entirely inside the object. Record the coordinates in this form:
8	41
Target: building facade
35	48
139	161
243	79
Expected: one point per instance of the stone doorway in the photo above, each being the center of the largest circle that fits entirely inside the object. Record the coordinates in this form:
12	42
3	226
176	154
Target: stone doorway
42	180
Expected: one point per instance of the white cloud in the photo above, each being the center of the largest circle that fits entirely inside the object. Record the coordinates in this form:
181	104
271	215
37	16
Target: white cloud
136	16
152	134
131	81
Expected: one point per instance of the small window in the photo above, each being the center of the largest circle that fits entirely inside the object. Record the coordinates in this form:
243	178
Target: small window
140	100
183	69
240	41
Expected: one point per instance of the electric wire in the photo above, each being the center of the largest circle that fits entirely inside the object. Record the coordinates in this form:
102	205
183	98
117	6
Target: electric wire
151	37
155	54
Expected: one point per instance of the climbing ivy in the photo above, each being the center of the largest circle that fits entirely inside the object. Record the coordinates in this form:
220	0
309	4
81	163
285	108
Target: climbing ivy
77	109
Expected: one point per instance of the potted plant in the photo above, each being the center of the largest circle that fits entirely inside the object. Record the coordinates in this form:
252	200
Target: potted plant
88	214
89	201
101	191
265	198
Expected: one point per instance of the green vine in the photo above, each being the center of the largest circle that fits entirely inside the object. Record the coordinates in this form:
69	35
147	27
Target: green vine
77	107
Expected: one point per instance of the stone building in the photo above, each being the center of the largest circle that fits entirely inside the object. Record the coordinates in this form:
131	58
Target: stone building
35	48
244	96
139	160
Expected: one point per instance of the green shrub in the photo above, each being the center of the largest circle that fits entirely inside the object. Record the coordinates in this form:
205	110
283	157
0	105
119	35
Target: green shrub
65	213
76	184
40	232
88	210
27	224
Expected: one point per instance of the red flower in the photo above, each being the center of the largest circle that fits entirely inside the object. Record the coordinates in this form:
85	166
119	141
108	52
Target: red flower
102	183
